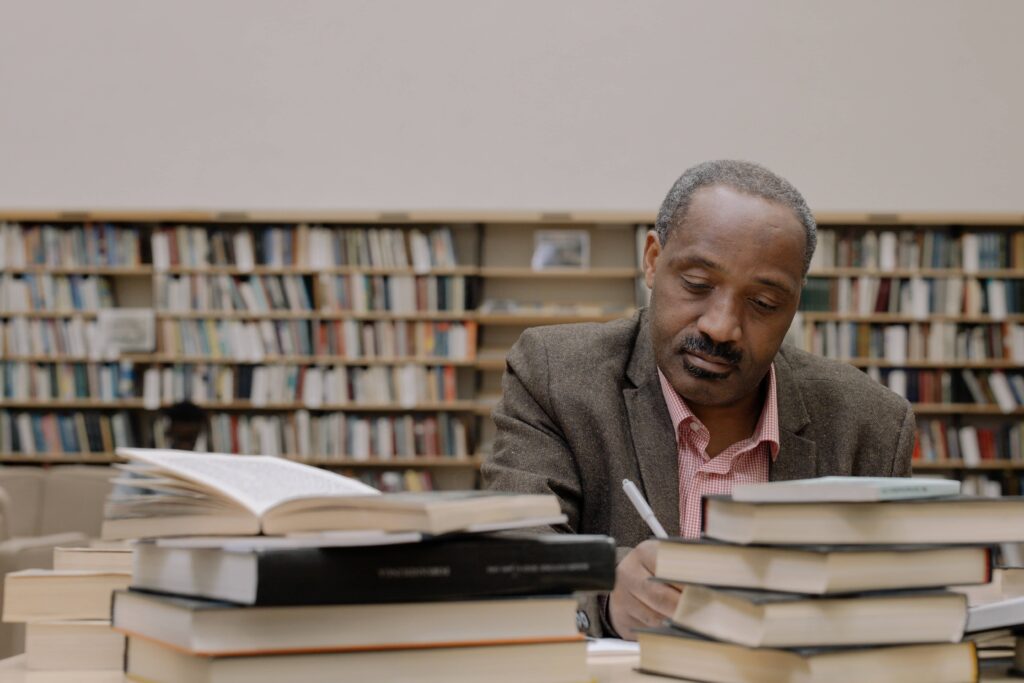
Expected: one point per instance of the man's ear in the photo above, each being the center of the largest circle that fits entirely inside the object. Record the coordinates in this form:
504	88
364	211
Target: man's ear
652	249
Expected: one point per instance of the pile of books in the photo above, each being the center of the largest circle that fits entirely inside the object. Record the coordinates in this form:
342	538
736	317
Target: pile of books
829	581
367	586
67	609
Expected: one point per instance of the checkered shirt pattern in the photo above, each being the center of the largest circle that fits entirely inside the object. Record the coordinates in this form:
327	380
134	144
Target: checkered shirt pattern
743	462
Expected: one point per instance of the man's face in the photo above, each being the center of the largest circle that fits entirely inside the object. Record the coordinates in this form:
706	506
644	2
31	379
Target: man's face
726	285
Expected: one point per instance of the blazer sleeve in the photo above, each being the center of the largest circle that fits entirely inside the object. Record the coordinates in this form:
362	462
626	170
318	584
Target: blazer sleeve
901	464
530	452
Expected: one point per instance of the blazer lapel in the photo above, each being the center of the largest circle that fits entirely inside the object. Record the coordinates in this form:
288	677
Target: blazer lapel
651	431
798	458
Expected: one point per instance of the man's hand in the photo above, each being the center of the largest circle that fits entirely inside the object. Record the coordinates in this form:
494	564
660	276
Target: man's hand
636	601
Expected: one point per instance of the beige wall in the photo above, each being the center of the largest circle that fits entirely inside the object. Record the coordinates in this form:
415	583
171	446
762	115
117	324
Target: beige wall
532	104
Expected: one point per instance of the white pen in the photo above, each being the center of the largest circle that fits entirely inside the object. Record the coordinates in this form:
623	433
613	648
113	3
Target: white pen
646	513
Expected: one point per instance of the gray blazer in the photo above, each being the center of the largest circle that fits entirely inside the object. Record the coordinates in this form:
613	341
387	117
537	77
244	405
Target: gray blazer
582	409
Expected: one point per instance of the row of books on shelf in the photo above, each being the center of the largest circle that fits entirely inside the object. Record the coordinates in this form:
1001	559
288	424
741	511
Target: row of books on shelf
83	432
88	245
67	381
311	385
340	436
1005	390
901	343
245	247
394	481
250	341
939	440
256	340
45	292
907	249
916	297
353	292
299	434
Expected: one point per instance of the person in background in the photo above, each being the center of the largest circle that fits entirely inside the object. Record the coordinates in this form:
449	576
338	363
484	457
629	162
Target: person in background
693	394
186	426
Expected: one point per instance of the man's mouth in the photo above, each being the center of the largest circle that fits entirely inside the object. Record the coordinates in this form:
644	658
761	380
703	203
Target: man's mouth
707	365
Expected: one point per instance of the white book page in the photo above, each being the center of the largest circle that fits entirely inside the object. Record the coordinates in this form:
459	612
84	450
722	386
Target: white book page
255	482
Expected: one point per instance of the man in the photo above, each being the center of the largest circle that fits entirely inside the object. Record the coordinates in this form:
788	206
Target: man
693	394
185	426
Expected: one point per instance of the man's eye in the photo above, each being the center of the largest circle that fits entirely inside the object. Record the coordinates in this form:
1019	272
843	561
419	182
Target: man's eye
764	305
696	286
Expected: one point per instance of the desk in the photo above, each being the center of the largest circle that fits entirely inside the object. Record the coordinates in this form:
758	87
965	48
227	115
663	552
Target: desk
604	669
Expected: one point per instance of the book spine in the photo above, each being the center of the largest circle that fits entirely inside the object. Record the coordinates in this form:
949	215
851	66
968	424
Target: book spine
450	570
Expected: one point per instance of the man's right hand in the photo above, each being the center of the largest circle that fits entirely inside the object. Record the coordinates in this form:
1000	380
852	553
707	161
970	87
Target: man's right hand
636	601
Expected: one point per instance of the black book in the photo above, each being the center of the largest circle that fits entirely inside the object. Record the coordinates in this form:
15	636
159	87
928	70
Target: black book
456	567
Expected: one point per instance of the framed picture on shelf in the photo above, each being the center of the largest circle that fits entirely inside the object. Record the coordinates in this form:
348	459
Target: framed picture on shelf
560	249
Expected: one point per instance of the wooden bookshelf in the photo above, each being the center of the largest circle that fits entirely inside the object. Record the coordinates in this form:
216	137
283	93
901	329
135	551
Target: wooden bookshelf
504	295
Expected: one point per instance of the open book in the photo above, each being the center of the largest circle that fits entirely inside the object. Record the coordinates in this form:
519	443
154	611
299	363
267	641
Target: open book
181	493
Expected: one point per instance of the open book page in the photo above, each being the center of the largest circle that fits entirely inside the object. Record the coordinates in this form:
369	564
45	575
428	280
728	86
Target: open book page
257	483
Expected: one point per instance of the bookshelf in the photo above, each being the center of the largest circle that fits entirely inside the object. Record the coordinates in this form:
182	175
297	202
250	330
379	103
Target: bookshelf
412	313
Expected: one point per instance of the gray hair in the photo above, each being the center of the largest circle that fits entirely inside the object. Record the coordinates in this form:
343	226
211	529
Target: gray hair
745	177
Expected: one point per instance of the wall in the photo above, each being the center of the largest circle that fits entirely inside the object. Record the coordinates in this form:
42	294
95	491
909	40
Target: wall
528	104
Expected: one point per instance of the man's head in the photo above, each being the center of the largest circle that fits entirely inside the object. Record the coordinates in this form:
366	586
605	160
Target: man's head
725	263
185	422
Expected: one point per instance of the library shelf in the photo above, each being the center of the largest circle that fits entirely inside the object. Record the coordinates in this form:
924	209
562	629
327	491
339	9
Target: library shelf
311	360
60	458
529	319
143	270
987	364
69	313
311	270
963	409
985	465
415	462
559	273
900	318
429	316
852	271
71	404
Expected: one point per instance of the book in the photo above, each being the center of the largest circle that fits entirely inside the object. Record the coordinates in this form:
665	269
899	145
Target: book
824	569
673	652
845	489
187	494
73	645
452	568
207	628
959	520
93	559
772	619
47	595
996	615
535	662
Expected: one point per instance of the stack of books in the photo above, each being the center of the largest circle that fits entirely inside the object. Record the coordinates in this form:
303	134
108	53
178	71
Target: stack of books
256	568
67	609
830	581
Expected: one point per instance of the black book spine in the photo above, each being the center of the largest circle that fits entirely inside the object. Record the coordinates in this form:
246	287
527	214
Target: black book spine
452	569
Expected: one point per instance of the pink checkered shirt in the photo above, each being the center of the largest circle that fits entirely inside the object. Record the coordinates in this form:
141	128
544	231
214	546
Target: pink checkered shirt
701	475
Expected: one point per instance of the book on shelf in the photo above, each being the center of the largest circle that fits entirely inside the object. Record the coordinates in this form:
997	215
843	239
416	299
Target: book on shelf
772	619
83	645
824	569
963	519
208	628
184	493
674	652
45	595
823	489
375	568
563	662
84	245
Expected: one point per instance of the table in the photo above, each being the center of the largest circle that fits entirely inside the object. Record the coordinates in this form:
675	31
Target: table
604	669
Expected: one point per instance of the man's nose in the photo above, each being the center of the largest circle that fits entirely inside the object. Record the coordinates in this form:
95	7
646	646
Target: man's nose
721	320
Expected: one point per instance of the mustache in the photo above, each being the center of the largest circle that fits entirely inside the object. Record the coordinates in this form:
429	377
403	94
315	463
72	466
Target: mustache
703	345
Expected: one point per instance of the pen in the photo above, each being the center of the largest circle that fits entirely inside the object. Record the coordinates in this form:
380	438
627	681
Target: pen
646	513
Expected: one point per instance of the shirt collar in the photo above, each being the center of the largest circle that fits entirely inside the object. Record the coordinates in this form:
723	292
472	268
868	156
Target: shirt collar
766	431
